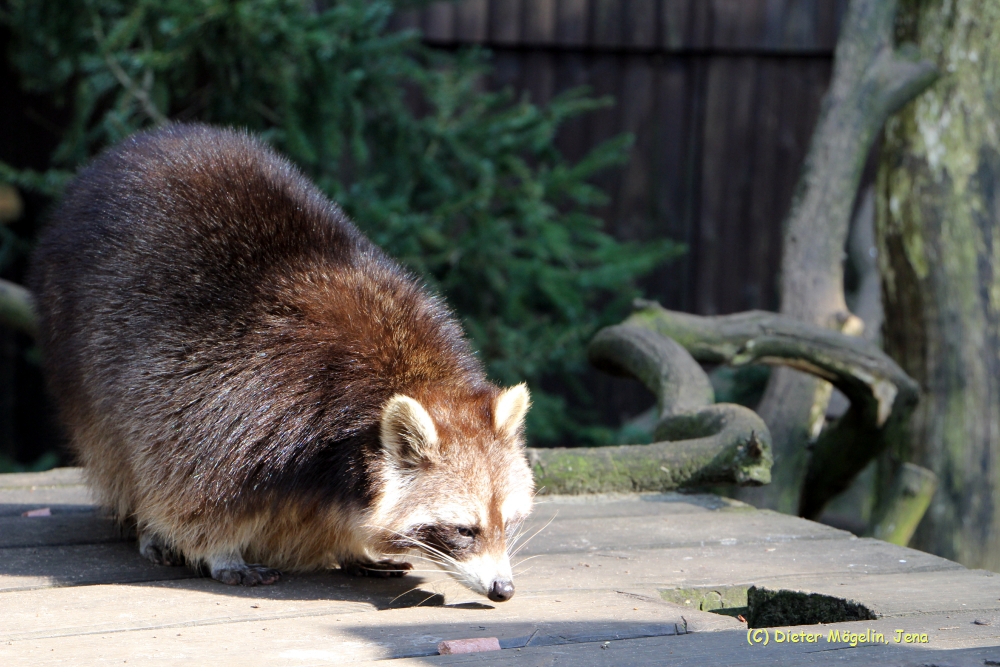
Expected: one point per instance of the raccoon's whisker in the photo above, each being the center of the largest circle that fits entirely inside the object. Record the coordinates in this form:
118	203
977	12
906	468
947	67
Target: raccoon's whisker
523	527
524	560
420	544
525	543
423	583
442	565
426	599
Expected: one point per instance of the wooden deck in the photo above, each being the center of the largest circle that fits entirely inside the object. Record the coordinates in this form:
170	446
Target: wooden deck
595	591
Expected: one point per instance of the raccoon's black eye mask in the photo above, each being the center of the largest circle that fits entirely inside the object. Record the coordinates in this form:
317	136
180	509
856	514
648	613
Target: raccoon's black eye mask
457	541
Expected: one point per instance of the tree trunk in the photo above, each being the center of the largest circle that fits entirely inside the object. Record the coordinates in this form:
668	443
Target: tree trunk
938	228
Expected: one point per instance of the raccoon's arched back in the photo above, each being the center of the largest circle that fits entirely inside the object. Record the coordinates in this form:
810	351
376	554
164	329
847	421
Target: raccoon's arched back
204	305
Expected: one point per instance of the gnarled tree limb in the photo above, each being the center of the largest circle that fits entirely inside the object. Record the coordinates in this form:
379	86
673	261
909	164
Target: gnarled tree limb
882	395
699	442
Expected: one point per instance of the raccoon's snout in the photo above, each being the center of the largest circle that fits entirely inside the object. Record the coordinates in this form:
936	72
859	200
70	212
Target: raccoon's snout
501	590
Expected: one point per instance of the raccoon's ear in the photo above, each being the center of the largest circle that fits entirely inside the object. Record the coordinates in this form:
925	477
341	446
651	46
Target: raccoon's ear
511	407
407	431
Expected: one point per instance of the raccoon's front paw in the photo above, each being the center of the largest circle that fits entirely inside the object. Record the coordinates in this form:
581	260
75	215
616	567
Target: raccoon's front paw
156	550
230	569
248	575
371	568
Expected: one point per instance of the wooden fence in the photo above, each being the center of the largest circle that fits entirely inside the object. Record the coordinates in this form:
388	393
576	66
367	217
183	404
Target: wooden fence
721	95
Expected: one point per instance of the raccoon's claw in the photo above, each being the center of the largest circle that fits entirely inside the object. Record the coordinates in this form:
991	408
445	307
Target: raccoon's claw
158	552
248	575
382	569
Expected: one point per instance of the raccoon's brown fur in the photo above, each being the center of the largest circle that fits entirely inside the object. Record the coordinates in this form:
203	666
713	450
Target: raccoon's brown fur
244	375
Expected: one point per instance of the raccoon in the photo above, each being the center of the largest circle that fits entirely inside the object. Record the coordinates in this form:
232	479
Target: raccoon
246	378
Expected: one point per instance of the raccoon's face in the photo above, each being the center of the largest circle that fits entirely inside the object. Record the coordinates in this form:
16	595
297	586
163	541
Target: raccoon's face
457	486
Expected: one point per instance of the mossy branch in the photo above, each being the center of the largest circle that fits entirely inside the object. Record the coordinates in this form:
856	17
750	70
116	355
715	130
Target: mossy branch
700	443
882	395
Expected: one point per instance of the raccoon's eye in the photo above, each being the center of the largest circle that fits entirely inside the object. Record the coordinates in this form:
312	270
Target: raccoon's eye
465	531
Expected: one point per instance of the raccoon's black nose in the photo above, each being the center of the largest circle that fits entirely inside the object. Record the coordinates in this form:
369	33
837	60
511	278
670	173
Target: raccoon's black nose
501	590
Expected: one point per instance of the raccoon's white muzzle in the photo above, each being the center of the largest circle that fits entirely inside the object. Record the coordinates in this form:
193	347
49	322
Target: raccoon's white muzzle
486	575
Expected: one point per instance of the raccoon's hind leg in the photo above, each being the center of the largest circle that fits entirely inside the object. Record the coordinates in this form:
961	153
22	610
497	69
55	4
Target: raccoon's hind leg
372	568
231	569
156	549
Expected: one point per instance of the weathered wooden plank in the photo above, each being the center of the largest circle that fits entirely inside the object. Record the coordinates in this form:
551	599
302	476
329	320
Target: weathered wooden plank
603	124
775	26
698	22
48	567
725	173
60	499
639	30
572	22
62	490
674	15
472	21
736	24
438	22
170	604
539	22
675	149
54	477
789	27
788	567
671	531
65	612
637	98
720	648
350	635
505	21
606	23
760	228
58	530
906	594
572	71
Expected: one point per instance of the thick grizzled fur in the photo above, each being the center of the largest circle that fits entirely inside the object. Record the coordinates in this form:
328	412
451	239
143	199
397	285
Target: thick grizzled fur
234	359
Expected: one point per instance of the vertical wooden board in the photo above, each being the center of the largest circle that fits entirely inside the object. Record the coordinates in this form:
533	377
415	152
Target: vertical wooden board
472	21
572	22
606	23
724	179
736	24
633	210
539	22
439	22
603	124
686	24
640	24
505	21
803	26
572	71
802	84
676	150
539	76
675	15
756	233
